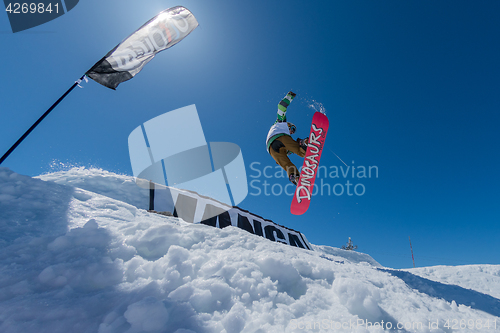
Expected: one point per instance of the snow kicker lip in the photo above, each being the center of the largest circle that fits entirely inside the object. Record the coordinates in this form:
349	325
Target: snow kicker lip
171	150
23	16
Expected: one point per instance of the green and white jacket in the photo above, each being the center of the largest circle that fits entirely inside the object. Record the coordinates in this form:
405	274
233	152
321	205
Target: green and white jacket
280	126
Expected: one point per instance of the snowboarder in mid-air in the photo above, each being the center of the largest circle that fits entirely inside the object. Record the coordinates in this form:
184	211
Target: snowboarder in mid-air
280	142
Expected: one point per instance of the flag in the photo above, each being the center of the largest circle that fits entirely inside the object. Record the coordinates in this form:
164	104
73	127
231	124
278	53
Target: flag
129	57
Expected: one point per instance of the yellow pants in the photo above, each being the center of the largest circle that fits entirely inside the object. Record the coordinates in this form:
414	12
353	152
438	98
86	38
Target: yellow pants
281	156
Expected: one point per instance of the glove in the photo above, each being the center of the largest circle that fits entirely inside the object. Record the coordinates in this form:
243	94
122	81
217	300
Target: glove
303	143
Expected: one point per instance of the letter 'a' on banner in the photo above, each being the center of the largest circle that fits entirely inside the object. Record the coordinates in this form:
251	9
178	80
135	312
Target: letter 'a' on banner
129	57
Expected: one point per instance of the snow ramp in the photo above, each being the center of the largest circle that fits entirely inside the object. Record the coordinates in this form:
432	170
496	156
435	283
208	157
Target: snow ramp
73	260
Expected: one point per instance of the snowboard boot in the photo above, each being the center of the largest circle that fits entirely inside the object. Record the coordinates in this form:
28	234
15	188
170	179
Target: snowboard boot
294	179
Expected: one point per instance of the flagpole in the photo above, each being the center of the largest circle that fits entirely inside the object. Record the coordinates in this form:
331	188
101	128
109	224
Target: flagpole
18	142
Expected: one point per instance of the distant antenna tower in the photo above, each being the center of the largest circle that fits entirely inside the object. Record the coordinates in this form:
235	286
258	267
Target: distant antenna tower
412	258
349	246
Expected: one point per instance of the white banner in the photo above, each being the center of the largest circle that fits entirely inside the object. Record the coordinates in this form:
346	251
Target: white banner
195	208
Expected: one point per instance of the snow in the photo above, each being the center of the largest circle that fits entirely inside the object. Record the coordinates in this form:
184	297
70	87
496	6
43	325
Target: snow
79	253
482	278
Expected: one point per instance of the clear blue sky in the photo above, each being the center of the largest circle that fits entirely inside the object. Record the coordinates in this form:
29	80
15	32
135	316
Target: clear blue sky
411	87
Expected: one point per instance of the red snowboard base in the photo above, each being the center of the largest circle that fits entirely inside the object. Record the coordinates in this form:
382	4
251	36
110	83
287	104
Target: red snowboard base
302	196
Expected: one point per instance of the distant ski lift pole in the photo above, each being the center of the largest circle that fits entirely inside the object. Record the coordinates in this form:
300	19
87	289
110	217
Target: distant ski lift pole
412	258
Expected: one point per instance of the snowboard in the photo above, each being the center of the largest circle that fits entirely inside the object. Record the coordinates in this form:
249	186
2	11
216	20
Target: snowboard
303	192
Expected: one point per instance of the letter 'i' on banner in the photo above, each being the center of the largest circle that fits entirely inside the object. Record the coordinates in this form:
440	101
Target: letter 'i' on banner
171	150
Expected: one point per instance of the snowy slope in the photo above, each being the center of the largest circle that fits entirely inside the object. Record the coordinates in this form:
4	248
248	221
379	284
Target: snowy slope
482	278
80	254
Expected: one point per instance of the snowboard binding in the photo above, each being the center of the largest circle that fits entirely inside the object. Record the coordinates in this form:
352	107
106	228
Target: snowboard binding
294	179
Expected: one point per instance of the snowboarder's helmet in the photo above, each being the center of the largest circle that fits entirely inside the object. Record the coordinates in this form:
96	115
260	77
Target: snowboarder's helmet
292	128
